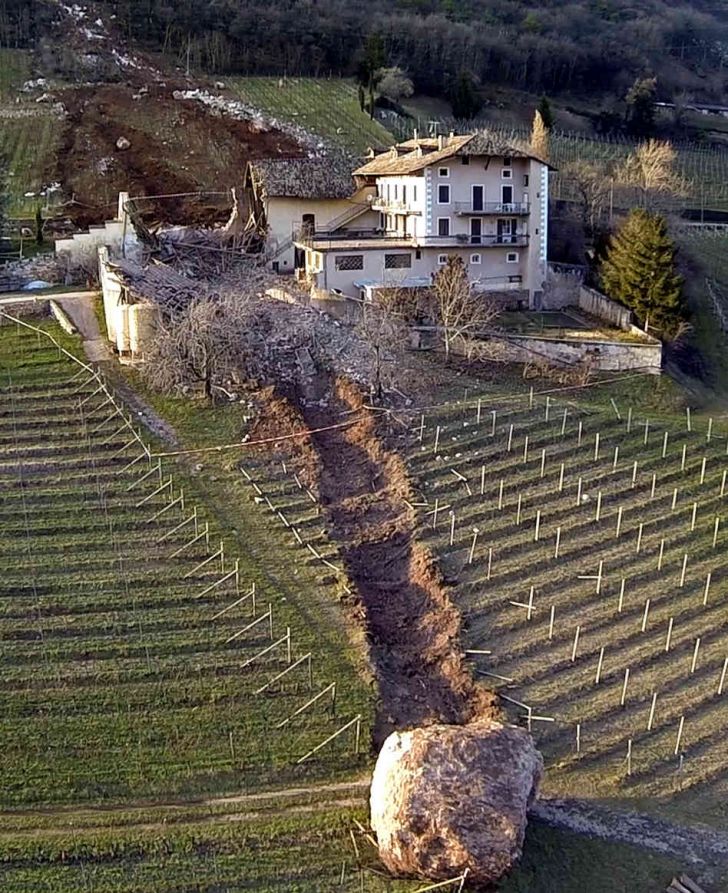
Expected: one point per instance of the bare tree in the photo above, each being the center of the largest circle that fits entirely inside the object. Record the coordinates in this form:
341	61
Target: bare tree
593	186
205	342
460	311
393	83
384	336
539	136
650	171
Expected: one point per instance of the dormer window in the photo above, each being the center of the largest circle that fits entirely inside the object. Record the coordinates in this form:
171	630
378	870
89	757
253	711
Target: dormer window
443	172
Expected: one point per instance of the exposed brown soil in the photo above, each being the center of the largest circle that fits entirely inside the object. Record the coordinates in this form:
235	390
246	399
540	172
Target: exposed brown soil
177	146
413	628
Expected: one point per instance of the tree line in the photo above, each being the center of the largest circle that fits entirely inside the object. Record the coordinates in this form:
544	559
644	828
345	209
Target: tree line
586	45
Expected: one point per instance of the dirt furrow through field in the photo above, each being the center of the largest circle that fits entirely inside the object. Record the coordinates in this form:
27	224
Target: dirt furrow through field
413	628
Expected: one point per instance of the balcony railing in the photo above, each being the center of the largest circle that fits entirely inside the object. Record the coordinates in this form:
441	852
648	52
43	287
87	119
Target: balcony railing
498	283
392	206
485	240
324	238
492	208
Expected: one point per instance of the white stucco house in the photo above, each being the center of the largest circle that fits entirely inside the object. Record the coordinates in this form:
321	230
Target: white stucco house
293	195
466	195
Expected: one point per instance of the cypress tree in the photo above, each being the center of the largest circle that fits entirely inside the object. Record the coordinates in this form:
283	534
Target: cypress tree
639	271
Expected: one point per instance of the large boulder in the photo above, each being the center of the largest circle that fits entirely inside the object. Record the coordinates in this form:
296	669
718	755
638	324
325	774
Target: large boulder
446	798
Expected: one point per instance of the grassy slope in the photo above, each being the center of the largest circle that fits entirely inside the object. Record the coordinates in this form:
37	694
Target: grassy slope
88	643
707	256
28	143
328	107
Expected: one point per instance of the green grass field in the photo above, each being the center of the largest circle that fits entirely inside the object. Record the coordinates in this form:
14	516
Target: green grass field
561	673
706	291
14	71
130	667
28	143
323	106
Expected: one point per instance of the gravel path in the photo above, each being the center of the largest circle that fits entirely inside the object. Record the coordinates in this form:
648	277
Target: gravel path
702	847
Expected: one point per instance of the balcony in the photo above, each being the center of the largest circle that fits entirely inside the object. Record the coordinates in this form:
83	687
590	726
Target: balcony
485	240
392	206
483	209
323	239
498	283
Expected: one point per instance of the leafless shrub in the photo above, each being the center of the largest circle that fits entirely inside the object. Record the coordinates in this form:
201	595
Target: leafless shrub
384	336
650	170
460	312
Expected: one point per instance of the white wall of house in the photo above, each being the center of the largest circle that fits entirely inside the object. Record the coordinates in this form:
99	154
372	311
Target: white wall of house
491	268
285	215
438	201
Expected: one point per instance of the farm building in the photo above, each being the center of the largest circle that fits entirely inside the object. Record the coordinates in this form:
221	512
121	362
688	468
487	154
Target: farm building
286	196
468	195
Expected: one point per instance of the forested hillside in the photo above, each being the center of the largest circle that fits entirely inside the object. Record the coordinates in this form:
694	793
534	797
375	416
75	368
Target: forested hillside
555	46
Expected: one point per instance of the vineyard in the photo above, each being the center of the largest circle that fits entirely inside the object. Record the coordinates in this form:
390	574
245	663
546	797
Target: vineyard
326	107
140	656
588	551
14	70
29	144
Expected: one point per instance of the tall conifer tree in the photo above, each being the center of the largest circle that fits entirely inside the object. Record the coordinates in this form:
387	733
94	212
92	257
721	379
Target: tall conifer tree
639	271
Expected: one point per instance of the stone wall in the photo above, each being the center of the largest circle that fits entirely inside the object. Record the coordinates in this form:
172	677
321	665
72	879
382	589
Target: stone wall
603	355
566	290
596	304
80	250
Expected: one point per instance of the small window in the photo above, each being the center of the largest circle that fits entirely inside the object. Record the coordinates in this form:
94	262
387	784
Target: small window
512	257
474	258
526	180
414	193
443	226
465	159
418	254
443	194
507	162
349	261
507	173
443	172
396	191
441	259
397	261
404	195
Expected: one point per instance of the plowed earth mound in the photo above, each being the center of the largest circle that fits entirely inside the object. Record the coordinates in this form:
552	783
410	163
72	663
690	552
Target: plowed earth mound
413	628
176	146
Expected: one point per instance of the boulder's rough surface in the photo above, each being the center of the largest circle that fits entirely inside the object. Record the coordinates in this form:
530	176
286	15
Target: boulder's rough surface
446	798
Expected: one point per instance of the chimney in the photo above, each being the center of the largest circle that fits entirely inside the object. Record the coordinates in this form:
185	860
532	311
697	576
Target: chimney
452	135
414	134
440	141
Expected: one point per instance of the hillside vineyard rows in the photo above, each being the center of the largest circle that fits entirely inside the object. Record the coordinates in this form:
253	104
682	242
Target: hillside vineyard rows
137	654
589	550
324	106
